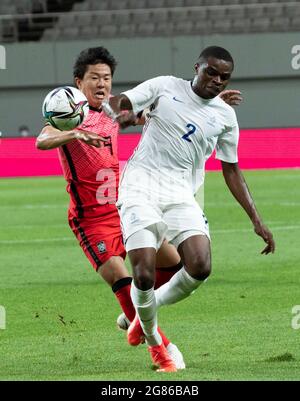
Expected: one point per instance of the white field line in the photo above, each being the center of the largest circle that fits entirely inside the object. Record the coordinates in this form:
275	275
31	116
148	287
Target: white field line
224	231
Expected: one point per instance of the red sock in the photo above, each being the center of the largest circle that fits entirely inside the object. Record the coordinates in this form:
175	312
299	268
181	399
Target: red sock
121	289
163	275
165	340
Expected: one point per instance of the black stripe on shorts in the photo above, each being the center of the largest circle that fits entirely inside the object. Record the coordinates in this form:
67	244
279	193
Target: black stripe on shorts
87	243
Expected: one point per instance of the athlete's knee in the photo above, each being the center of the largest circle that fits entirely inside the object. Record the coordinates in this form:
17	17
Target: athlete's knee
200	267
143	266
113	270
144	276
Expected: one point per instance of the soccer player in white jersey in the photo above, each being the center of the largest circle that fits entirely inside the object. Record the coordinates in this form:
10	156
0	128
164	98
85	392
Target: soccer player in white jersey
187	121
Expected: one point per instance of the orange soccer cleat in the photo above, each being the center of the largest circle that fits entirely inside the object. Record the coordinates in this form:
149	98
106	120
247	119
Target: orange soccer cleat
135	334
162	359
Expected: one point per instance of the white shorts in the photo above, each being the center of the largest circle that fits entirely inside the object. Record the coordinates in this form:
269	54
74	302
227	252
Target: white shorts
175	222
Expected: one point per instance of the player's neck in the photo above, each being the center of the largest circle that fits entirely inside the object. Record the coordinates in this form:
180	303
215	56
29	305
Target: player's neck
196	91
95	108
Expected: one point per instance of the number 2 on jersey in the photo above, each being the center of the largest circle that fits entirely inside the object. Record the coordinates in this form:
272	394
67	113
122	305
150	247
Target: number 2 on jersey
191	131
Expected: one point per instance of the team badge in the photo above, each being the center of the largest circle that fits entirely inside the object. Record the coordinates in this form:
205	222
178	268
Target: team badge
101	247
134	218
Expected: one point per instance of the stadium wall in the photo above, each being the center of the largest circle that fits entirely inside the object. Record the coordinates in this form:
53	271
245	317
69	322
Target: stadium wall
258	149
267	72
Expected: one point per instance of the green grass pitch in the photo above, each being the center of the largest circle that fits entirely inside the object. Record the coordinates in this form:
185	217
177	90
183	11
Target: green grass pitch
60	317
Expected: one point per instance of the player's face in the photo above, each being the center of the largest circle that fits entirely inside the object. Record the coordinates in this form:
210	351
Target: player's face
212	77
96	84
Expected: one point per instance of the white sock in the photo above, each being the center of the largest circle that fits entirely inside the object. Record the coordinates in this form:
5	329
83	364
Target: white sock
180	286
145	306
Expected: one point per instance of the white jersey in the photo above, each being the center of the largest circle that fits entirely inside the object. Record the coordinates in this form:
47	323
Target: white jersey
182	131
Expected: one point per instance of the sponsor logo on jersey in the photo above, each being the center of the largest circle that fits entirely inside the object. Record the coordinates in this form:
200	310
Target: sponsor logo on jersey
177	100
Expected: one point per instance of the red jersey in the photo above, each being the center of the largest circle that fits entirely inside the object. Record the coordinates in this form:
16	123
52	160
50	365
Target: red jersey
92	173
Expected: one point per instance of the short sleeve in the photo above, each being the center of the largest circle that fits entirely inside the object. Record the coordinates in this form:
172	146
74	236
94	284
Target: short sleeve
227	144
143	95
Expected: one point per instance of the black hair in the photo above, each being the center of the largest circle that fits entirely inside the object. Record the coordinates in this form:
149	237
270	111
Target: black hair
92	56
217	52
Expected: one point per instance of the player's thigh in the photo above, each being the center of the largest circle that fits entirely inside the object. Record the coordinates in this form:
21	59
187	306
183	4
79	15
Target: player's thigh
195	252
99	240
184	220
188	231
143	267
167	256
113	270
140	216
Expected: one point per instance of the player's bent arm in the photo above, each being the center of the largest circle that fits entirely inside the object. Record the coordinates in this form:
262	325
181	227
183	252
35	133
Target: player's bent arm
119	103
51	138
138	119
115	105
142	116
239	189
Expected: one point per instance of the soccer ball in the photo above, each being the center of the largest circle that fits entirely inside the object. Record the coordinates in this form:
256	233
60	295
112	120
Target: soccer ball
65	108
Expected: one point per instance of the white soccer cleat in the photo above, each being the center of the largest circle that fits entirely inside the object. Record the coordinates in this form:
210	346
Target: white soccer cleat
176	356
122	322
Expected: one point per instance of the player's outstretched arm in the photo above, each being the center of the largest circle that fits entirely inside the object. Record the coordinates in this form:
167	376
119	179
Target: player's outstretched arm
238	187
51	138
114	108
232	97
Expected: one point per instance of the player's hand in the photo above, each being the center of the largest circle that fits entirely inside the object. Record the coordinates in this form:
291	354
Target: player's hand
90	138
232	97
127	119
267	236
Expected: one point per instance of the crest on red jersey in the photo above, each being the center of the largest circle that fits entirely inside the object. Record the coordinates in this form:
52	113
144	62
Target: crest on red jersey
101	247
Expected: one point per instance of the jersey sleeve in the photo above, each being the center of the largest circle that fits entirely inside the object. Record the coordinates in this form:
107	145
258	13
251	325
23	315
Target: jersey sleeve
227	144
143	95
